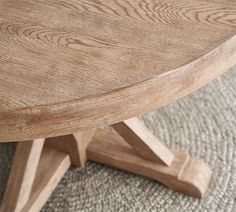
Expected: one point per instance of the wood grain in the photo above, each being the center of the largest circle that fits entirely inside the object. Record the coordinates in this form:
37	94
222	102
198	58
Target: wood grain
47	178
67	66
22	175
187	175
143	141
75	145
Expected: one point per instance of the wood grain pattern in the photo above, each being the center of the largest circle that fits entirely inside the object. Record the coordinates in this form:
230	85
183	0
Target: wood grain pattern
185	174
75	145
47	178
143	141
22	175
67	66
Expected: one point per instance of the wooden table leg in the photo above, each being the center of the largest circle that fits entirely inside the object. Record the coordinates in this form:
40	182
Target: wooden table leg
22	175
75	145
39	165
34	174
180	172
52	167
143	141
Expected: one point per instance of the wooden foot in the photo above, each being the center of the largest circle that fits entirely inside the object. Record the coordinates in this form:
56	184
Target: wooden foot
185	174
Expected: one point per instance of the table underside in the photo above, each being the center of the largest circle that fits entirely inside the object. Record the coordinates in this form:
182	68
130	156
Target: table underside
40	164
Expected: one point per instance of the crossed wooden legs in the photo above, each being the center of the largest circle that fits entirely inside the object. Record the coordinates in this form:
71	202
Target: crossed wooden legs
39	165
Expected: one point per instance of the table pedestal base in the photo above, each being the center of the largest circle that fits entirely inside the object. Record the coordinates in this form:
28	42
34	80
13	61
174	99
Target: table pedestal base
40	164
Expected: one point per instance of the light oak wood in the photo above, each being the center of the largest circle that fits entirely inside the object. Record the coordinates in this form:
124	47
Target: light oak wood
83	139
32	181
185	174
102	62
22	175
52	167
75	145
143	141
35	173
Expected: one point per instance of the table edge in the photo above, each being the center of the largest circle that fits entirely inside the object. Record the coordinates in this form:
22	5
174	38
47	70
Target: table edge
68	117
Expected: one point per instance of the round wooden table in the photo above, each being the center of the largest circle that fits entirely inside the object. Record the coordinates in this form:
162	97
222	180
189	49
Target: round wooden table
68	68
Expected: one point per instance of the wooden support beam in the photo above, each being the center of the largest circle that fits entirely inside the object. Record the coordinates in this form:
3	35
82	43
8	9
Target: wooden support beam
143	141
22	175
75	145
52	167
33	177
83	138
185	174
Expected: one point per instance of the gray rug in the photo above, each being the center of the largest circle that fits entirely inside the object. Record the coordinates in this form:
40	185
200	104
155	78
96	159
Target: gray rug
203	124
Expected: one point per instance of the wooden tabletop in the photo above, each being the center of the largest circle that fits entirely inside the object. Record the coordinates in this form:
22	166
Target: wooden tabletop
69	65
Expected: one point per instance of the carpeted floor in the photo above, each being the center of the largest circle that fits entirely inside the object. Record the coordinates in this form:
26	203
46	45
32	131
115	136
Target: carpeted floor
203	124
